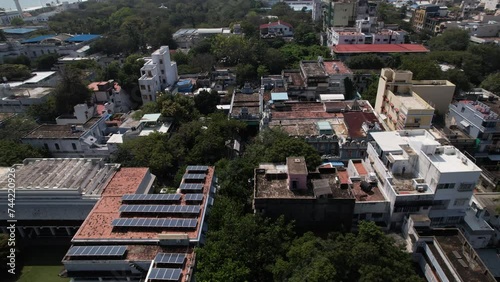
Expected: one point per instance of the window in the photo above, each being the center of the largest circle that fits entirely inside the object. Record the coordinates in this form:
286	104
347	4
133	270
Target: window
463	109
162	72
466	187
143	87
74	146
417	120
446	186
161	62
57	146
460	202
41	51
144	97
149	87
46	146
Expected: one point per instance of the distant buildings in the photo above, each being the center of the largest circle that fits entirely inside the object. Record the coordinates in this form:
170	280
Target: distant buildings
339	14
132	234
187	38
405	103
481	223
158	74
54	196
427	17
61	44
344	51
276	29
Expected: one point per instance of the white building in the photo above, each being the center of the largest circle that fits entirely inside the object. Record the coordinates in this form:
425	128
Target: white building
491	5
341	36
157	74
279	28
443	254
481	225
78	136
54	196
420	176
112	95
475	28
18	100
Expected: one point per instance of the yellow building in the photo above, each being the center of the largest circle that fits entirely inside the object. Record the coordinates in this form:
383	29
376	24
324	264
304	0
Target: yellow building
400	100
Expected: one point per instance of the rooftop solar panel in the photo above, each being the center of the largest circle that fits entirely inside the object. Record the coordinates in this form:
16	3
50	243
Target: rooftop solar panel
191	186
194	176
194	197
151	197
166	274
77	251
191	209
170	258
201	168
155	222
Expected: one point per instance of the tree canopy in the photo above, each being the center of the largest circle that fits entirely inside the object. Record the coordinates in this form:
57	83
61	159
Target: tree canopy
453	39
14	153
369	255
14	72
492	83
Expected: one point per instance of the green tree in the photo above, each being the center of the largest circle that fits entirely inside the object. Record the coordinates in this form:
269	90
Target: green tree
44	112
19	60
365	61
369	255
492	83
421	67
370	92
14	72
178	107
148	151
350	92
452	39
46	62
17	22
15	128
70	91
458	78
245	73
206	102
14	153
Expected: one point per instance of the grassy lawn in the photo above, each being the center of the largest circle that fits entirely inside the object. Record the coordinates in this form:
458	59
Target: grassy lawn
42	264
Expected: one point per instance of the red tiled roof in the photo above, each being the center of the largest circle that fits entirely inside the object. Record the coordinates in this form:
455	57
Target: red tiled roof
354	121
379	48
275	24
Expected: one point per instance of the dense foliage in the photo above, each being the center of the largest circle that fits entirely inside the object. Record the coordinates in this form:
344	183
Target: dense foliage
13	153
14	72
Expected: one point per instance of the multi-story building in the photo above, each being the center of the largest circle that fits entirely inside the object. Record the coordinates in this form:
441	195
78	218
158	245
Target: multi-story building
475	28
276	29
344	36
444	254
158	74
481	121
420	176
339	14
428	17
330	198
135	235
405	103
54	196
481	224
110	95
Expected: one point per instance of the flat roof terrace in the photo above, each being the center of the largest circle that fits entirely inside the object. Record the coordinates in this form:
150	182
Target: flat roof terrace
312	69
53	131
87	176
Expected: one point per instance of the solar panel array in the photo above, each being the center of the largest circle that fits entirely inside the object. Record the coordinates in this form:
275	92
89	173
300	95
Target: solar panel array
194	176
96	251
191	186
155	222
194	197
151	197
166	274
170	258
191	209
202	168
